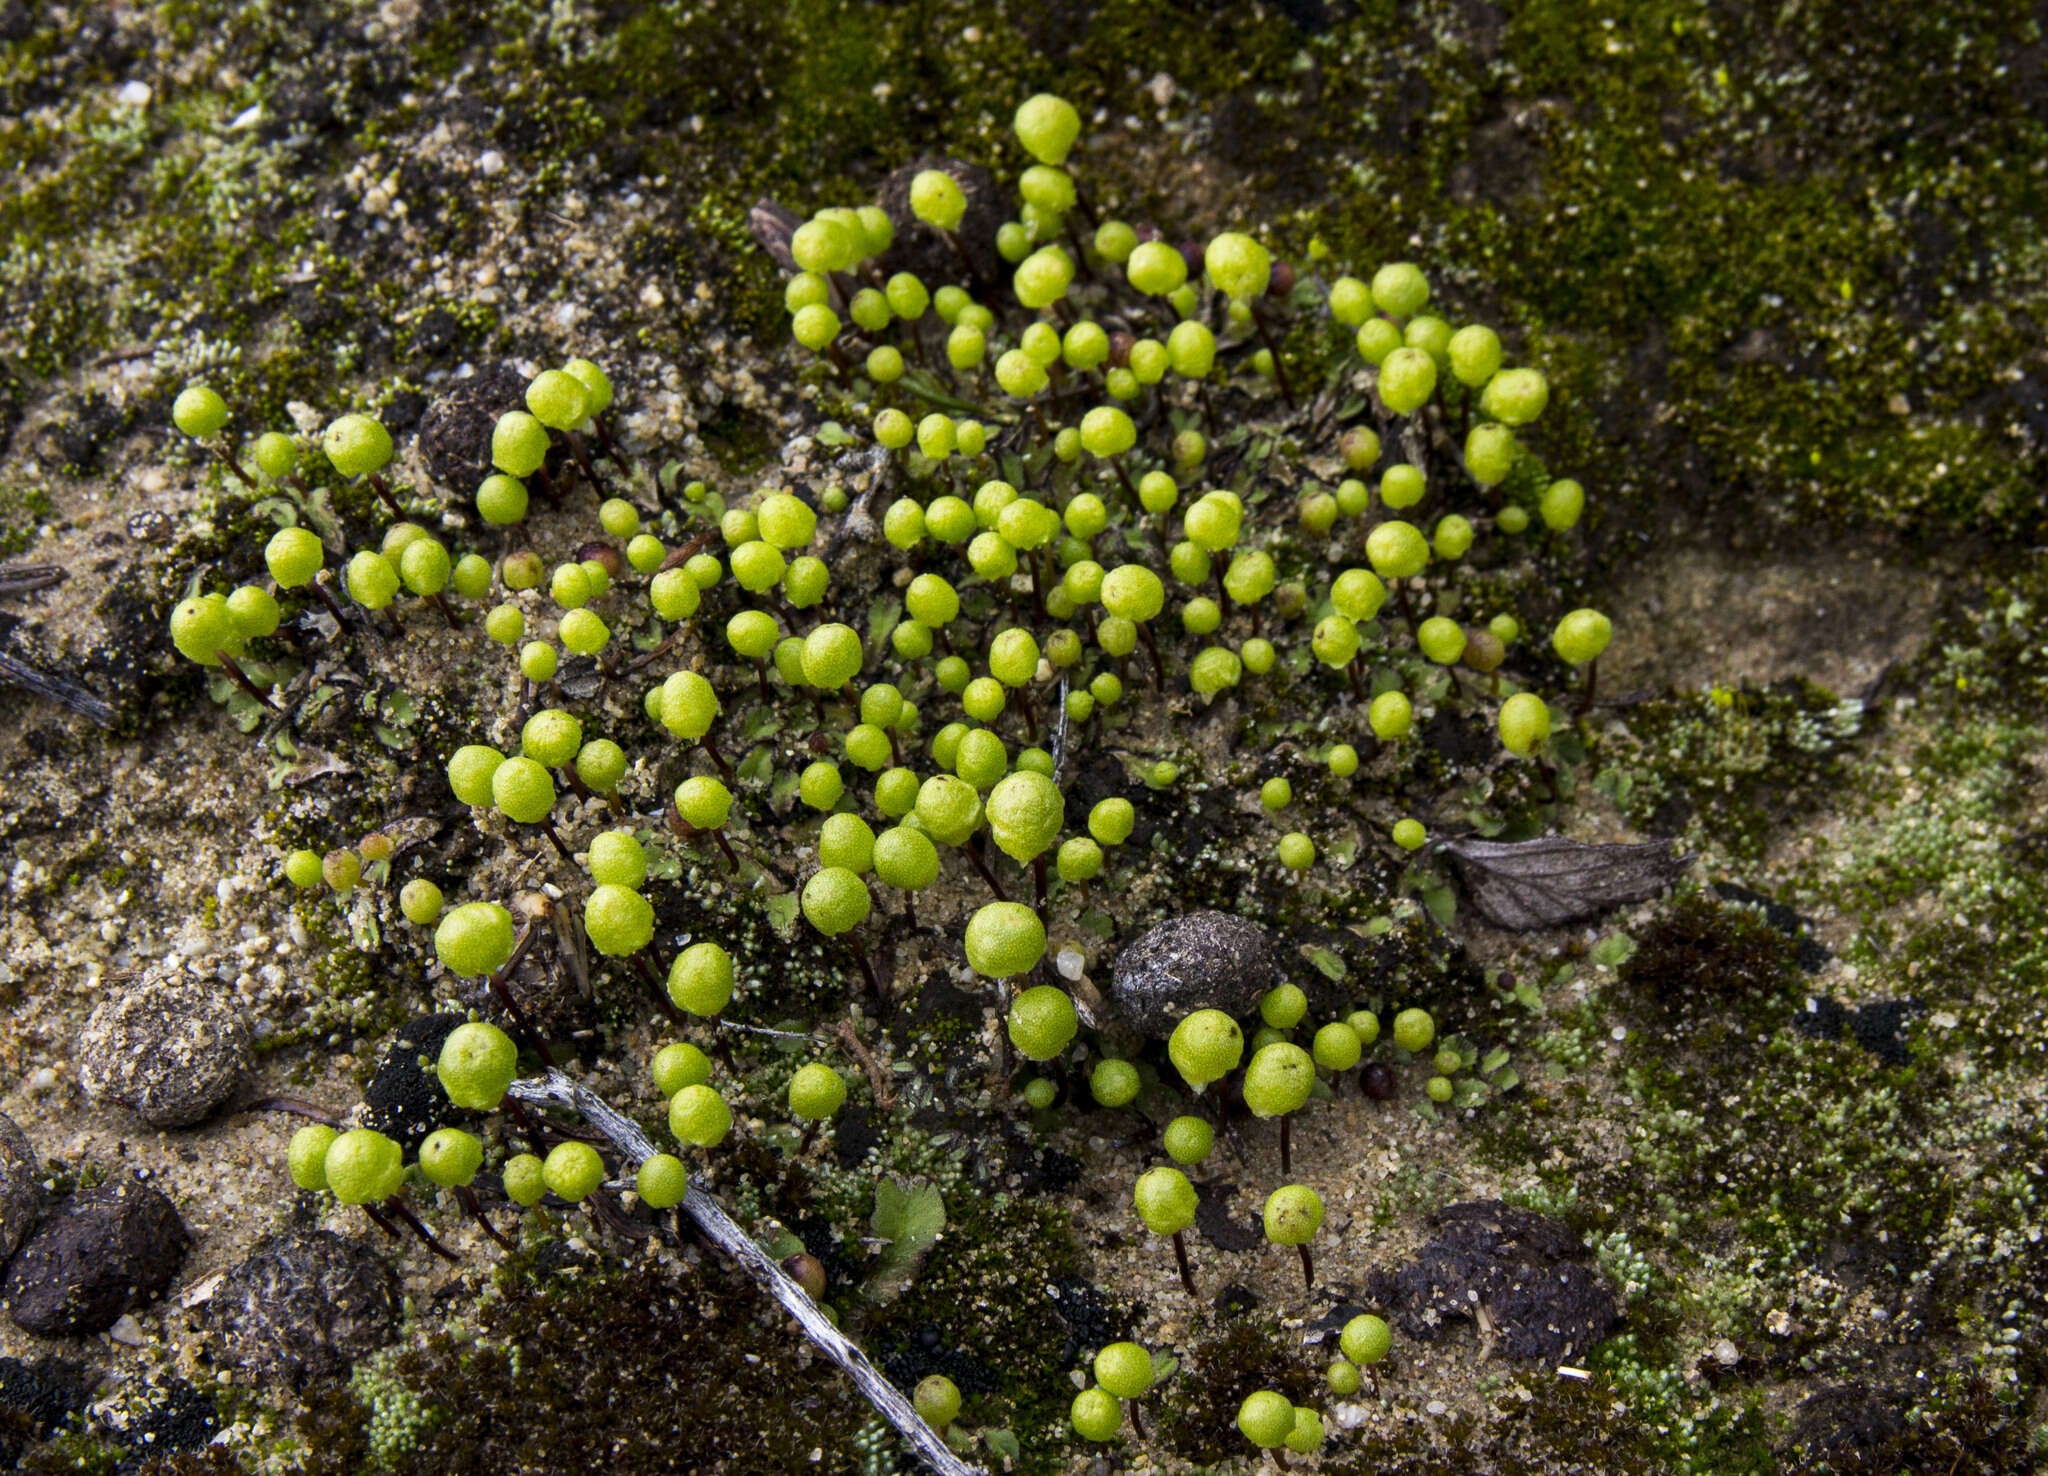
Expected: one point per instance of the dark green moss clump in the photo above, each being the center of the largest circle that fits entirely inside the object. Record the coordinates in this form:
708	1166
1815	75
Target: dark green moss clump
653	1364
1703	952
1220	1371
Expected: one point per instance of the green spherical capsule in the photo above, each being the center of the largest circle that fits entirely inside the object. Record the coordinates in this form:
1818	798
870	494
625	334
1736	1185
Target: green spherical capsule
1581	636
1524	723
306	1158
1366	1339
1114	1084
1414	1030
937	1401
1407	380
525	1182
1390	716
199	411
253	612
1296	851
363	1167
450	1157
618	920
1397	550
572	1171
1515	396
1266	1419
1343	761
420	901
905	859
677	1065
1409	835
1400	288
356	445
1284	1006
848	841
699	1116
537	661
1562	505
1188	1140
476	1064
1278	1080
662	1181
1096	1415
1005	939
371	580
816	1092
1307	1435
835	900
522	790
1442	640
1165	1200
1489	454
1337	1047
294	556
701	979
474	939
1205	1046
1124	1369
557	400
1293	1214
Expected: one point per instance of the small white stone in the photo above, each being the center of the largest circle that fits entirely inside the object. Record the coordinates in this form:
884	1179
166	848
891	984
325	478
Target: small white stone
1070	962
1437	1407
490	163
127	1331
42	1081
134	95
248	117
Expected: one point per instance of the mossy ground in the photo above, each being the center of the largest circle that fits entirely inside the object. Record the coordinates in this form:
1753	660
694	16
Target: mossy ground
1787	289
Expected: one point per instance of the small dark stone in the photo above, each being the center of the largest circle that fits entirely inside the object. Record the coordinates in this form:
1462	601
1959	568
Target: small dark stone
21	1187
1536	1280
169	1047
1235	1300
152	525
1880	1028
1377	1081
104	1251
455	430
1822	1019
1201	960
404	1100
305	1304
1218	1226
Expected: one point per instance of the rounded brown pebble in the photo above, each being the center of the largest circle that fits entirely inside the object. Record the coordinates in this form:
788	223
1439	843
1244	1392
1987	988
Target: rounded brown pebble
169	1047
21	1187
1199	961
305	1304
102	1252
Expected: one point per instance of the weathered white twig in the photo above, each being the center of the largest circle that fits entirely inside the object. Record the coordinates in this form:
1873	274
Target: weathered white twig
711	1218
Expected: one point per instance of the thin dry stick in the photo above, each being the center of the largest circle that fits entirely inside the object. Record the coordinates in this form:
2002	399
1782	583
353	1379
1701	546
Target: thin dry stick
717	1226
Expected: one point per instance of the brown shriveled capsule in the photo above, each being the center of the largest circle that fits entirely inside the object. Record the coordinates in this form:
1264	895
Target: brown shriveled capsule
1378	1082
808	1272
1120	345
1484	650
602	553
1281	282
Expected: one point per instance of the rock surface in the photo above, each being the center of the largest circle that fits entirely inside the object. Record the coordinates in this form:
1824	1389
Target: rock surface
1528	1281
305	1303
168	1047
104	1251
1201	960
21	1187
